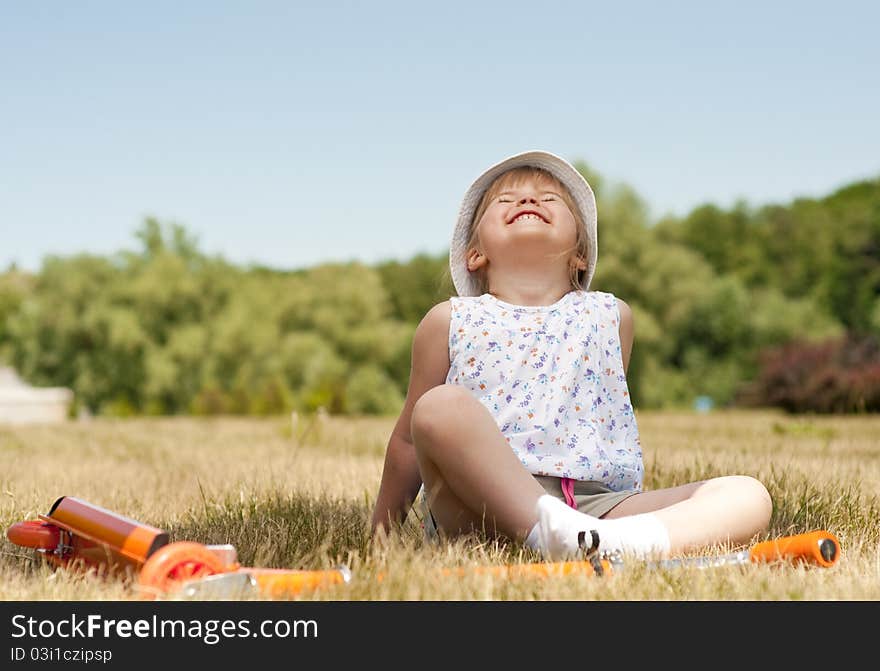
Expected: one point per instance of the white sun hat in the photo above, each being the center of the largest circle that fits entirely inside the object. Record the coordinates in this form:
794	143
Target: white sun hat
465	283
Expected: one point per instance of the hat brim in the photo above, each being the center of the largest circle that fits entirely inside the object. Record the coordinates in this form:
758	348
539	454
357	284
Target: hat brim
463	280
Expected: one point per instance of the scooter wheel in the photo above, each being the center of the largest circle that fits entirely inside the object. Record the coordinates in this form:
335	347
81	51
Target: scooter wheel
35	534
170	566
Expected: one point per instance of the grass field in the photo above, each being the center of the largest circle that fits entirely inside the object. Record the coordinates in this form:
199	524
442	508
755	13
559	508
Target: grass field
300	497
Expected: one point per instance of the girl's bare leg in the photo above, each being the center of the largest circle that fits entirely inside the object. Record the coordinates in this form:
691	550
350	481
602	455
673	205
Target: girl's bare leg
473	479
729	509
475	482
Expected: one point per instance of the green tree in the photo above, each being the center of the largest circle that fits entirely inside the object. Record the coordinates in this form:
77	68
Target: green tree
15	287
415	286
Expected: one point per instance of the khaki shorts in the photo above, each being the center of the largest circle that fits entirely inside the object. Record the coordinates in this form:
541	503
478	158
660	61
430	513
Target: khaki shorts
593	498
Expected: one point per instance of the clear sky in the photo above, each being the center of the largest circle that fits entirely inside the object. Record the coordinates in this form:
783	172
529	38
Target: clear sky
288	134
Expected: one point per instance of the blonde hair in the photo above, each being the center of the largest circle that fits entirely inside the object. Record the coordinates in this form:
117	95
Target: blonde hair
512	179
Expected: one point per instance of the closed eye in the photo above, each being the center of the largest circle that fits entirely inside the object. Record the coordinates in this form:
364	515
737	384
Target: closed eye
504	199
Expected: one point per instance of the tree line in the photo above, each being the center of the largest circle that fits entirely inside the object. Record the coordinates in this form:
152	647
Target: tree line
720	298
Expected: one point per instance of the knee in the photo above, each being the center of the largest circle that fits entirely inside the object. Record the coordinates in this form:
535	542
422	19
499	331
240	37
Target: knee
438	409
754	497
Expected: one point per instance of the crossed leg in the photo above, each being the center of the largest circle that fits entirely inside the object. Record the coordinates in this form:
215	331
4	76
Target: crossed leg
475	482
727	509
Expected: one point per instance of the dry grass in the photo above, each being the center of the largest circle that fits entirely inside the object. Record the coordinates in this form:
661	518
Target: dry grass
301	497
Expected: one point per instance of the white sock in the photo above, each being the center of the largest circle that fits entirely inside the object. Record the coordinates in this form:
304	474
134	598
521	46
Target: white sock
533	540
555	535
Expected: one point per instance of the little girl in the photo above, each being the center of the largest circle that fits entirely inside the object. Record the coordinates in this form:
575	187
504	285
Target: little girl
518	420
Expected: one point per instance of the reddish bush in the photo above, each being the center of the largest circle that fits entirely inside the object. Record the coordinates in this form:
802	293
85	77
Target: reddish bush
839	376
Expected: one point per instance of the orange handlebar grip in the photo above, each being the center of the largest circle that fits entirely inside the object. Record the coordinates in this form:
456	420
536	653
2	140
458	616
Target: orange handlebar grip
35	534
815	547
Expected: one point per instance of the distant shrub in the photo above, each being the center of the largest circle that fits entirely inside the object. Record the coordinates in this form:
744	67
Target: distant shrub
370	391
834	376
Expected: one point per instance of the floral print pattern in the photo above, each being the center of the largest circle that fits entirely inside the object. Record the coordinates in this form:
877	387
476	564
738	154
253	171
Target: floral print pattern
552	377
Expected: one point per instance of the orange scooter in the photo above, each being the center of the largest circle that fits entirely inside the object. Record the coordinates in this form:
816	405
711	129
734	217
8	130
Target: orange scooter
75	532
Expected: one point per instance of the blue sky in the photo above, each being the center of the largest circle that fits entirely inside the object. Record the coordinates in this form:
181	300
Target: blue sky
289	134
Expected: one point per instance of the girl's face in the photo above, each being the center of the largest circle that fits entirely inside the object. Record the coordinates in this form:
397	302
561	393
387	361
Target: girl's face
527	216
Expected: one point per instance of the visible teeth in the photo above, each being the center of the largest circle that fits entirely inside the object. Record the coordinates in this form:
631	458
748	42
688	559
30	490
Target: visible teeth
528	216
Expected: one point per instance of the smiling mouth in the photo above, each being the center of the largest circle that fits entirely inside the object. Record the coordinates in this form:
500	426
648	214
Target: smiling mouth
527	216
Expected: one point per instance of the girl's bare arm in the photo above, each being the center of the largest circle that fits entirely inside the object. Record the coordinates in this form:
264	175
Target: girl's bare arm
627	332
400	475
